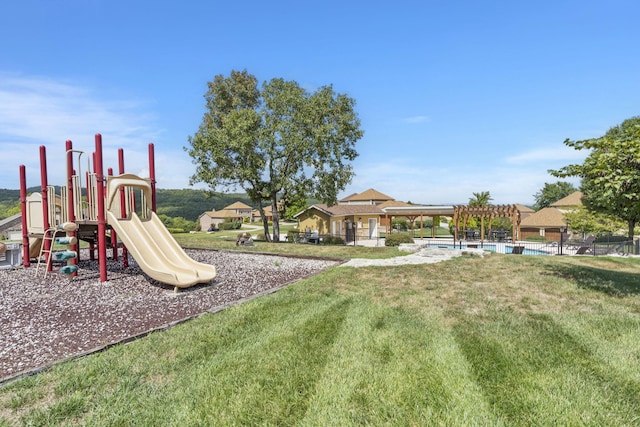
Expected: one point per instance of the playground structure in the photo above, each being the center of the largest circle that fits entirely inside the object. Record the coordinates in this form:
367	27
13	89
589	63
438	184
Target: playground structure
108	211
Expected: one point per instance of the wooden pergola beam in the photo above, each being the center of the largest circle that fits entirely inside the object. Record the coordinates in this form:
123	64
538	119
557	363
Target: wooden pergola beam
489	212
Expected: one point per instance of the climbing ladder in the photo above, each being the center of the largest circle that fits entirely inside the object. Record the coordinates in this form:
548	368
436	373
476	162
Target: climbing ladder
49	254
49	235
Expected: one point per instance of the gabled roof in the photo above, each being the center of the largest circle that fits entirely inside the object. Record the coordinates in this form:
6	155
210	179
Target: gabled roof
366	195
267	210
344	210
238	205
208	213
546	217
523	208
348	197
224	213
573	199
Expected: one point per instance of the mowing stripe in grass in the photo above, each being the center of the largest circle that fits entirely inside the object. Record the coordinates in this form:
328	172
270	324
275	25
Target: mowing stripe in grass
254	365
497	341
534	372
392	367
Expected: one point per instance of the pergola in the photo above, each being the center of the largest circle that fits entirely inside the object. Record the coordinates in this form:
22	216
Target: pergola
489	212
416	211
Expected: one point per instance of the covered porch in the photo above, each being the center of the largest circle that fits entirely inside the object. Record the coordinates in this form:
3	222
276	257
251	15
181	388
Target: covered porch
414	212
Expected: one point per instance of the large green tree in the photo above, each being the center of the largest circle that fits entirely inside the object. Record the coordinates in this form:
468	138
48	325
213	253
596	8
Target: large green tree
611	172
596	223
278	142
551	193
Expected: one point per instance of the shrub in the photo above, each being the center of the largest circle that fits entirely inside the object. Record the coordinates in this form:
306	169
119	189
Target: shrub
397	238
175	230
230	226
293	235
332	240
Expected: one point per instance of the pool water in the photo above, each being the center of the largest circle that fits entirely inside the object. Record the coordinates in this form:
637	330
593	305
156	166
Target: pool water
494	248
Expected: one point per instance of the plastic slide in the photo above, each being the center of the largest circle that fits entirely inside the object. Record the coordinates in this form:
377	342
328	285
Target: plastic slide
151	245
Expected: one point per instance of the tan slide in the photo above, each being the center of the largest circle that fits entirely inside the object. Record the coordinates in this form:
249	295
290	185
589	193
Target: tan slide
150	243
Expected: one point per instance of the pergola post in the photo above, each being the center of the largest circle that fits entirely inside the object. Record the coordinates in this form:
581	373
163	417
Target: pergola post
486	212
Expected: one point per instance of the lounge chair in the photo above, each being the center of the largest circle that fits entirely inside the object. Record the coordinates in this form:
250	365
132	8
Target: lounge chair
582	250
583	247
518	250
577	245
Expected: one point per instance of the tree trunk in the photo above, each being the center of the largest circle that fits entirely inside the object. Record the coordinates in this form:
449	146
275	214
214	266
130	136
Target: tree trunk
265	223
276	219
632	225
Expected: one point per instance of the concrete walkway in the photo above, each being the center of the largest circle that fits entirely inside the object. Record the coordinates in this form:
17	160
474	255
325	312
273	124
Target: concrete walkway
417	255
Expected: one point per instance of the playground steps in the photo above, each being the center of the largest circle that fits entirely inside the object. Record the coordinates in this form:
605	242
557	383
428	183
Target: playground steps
51	255
49	236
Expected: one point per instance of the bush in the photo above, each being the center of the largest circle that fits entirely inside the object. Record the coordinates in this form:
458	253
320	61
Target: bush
536	238
175	230
397	238
293	235
332	240
230	226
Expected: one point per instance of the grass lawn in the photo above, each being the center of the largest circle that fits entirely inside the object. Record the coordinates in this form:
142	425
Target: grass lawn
504	340
227	240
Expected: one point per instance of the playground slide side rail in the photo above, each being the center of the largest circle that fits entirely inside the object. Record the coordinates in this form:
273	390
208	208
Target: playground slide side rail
150	254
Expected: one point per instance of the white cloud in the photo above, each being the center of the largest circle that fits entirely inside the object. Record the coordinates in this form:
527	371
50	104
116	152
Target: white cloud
556	154
408	179
38	111
417	119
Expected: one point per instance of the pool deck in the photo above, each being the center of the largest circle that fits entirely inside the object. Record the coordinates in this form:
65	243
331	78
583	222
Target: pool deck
500	247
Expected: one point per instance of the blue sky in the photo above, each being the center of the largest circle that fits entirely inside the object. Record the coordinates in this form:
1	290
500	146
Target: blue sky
454	97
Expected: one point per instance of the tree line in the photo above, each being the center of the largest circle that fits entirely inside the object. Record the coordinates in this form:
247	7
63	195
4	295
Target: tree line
184	203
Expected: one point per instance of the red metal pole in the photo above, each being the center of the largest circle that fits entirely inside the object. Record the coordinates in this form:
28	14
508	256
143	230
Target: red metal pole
45	199
23	209
152	176
123	205
102	222
70	204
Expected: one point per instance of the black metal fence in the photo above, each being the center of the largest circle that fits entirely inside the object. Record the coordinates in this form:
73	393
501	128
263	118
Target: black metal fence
608	245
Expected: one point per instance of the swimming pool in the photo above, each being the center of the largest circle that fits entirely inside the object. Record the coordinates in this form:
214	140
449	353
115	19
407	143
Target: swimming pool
503	249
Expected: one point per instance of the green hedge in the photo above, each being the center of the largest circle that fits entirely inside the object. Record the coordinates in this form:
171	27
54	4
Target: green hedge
230	225
332	240
396	239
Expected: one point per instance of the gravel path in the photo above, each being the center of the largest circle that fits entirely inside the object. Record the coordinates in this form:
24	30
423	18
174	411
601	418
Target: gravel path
419	255
43	321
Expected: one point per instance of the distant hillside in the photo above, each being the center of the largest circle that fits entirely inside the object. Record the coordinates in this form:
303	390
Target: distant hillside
186	203
190	204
